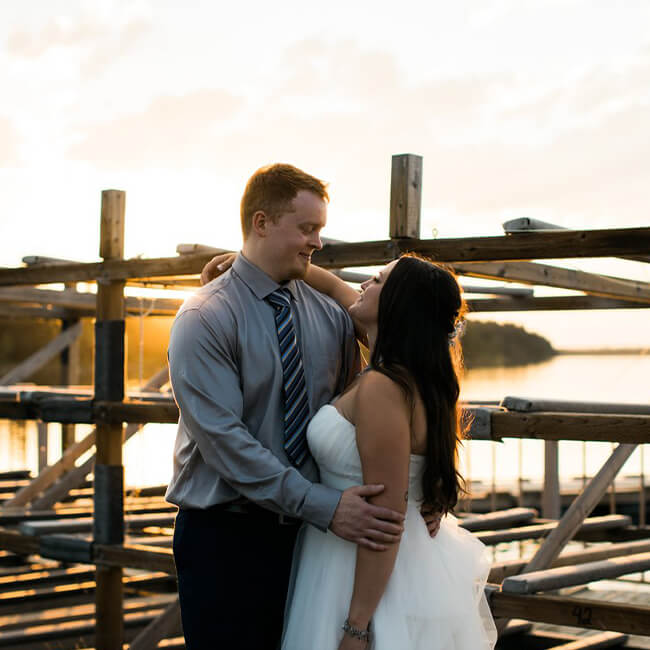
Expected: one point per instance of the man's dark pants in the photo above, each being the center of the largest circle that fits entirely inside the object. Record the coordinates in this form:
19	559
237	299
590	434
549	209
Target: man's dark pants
233	572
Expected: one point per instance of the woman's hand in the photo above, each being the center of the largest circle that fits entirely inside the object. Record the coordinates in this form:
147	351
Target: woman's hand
216	266
432	520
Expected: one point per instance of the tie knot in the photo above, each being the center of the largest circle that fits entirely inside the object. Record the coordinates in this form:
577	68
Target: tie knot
280	298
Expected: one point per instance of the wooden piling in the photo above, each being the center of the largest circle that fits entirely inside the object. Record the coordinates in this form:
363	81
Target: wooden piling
109	384
405	196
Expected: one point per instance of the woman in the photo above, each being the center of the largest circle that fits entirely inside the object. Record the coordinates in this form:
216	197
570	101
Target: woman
398	425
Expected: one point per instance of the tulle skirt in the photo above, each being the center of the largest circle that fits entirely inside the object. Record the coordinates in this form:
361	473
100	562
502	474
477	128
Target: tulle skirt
434	598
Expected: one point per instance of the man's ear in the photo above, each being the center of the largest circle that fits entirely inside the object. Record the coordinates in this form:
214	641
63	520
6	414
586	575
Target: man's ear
260	223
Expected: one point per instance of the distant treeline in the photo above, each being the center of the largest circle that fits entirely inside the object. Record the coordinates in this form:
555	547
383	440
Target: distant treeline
493	344
484	344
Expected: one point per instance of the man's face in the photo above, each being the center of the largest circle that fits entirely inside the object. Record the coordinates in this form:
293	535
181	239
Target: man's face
295	235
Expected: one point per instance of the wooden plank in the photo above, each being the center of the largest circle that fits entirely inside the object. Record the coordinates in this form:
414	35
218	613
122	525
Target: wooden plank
594	642
34	362
526	224
556	245
550	303
85	524
554	276
42	428
533	404
405	195
536	531
574	612
167	624
502	570
498	519
531	582
136	556
571	426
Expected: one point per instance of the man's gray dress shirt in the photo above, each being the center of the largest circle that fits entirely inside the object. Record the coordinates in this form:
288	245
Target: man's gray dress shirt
226	376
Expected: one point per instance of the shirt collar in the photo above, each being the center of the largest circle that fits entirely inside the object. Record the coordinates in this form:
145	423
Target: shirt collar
260	283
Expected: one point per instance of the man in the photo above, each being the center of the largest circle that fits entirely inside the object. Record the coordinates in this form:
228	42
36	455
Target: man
252	356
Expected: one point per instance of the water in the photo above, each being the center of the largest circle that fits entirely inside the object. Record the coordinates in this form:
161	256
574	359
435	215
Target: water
148	455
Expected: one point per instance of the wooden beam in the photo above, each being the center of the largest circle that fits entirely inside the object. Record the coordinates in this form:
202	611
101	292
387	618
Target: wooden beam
531	582
108	519
551	503
571	426
554	276
595	642
574	612
502	570
526	224
537	531
168	623
37	360
136	556
533	404
555	245
498	519
405	195
574	518
550	303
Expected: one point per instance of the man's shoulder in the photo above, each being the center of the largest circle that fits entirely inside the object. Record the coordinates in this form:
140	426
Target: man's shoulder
214	301
324	304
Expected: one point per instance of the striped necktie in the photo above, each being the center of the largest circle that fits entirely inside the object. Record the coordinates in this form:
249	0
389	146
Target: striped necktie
296	403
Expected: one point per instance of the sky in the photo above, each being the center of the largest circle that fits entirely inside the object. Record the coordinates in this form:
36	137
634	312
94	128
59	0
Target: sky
519	108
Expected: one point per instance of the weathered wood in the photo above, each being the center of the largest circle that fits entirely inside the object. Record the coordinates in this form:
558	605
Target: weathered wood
574	612
563	244
405	195
42	429
574	518
550	303
533	404
514	292
551	504
108	519
167	624
85	524
571	426
554	276
11	540
498	519
37	360
594	642
537	531
531	582
136	556
502	570
526	224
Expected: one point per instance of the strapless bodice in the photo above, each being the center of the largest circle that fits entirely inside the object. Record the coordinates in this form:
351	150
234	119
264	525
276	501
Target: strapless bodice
333	444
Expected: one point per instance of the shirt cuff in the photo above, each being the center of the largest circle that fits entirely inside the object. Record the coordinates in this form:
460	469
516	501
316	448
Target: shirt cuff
320	505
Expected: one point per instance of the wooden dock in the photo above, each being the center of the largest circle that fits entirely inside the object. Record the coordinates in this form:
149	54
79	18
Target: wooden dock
89	564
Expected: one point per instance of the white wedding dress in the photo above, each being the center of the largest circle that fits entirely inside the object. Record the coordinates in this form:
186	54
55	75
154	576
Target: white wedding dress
434	598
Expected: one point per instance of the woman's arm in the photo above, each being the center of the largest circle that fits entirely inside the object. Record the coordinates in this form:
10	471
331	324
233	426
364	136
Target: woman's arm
383	438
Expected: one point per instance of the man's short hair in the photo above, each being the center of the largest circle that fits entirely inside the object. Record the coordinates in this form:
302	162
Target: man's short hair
271	189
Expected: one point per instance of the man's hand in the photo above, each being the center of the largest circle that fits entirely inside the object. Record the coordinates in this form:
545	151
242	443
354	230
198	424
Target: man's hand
432	520
216	266
360	522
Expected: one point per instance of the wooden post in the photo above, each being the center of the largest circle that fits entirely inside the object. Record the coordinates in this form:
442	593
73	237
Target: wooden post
405	196
69	371
42	429
551	495
108	517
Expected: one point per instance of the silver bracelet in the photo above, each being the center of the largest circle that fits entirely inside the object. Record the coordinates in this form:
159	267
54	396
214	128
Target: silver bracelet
355	632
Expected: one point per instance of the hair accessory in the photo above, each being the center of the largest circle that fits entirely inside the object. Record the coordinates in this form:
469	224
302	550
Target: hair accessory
457	332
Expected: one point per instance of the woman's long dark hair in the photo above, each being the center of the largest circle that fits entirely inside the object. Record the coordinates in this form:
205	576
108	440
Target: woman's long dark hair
420	306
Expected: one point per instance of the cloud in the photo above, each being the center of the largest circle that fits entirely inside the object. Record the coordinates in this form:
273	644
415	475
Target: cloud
171	132
102	43
8	143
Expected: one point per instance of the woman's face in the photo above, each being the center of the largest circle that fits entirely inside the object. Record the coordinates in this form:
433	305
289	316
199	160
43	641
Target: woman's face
366	308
